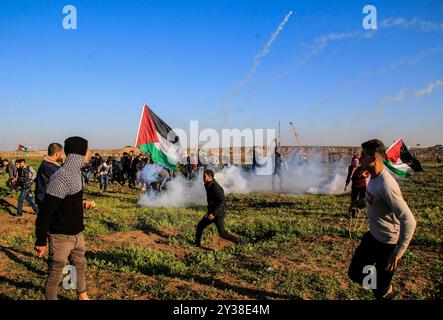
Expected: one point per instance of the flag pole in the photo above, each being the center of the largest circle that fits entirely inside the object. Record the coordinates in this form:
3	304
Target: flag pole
139	125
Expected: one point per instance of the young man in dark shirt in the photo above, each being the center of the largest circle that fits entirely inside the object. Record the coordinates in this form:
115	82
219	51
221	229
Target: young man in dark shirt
216	209
25	180
277	169
50	164
61	220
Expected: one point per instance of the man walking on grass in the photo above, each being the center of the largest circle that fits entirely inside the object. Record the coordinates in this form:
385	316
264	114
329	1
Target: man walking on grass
216	209
25	180
61	220
391	224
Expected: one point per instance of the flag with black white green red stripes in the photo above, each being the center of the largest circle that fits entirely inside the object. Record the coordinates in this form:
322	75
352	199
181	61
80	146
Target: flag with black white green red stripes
22	148
400	161
156	137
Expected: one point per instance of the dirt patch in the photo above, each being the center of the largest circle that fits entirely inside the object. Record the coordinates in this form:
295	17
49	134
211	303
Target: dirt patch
13	204
11	227
217	243
142	238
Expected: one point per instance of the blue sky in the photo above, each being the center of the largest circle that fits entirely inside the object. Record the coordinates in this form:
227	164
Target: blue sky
183	58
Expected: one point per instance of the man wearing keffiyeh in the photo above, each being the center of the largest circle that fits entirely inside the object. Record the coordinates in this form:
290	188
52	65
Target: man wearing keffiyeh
60	221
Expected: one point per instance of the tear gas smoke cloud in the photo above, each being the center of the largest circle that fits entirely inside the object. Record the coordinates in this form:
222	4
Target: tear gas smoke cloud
299	176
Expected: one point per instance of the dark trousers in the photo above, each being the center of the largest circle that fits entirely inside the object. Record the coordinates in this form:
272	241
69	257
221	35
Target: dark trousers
372	252
277	172
26	194
219	223
357	193
126	175
133	178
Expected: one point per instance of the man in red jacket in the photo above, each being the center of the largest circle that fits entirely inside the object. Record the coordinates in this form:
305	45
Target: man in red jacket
358	176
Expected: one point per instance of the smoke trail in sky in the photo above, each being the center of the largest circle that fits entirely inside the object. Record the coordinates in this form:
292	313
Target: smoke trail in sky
267	47
258	57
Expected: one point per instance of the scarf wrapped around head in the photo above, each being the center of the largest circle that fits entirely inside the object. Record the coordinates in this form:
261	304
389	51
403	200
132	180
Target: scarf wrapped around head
68	180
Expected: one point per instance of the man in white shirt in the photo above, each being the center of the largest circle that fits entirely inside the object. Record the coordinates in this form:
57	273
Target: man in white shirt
391	224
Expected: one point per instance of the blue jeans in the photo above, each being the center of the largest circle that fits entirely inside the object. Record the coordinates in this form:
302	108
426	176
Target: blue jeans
104	180
26	194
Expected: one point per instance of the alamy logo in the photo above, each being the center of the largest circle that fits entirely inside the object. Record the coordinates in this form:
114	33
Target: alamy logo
70	278
70	20
370	20
370	281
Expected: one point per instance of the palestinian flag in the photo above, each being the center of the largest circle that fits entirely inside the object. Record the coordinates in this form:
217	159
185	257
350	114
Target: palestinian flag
155	137
22	148
400	161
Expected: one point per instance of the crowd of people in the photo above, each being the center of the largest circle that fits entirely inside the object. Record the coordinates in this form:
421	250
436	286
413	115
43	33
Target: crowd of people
125	170
59	205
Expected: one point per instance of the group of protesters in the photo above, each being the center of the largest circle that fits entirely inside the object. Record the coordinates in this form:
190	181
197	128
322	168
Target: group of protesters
59	206
112	170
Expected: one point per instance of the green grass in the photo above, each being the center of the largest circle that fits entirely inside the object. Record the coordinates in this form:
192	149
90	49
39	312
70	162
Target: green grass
298	248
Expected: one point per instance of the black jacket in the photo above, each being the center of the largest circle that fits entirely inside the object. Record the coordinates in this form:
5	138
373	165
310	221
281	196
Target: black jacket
44	173
216	198
26	176
59	216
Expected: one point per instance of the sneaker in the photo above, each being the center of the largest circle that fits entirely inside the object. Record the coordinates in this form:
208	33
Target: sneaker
392	295
18	216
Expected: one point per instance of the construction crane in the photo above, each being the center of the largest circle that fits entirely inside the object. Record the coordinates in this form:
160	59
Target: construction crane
297	138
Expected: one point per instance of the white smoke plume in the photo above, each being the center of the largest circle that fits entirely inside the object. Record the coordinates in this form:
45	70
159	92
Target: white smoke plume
267	47
299	176
427	90
257	60
415	22
321	42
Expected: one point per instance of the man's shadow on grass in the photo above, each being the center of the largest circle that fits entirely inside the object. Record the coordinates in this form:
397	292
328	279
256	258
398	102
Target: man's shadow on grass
19	284
249	292
149	229
12	255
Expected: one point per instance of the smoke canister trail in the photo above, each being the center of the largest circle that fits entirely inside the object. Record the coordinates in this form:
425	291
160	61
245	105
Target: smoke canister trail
257	60
267	47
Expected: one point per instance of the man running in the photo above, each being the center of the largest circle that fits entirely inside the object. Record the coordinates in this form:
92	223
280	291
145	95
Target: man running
216	209
391	224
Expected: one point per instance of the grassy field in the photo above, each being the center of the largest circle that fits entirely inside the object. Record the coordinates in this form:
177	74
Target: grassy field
298	248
